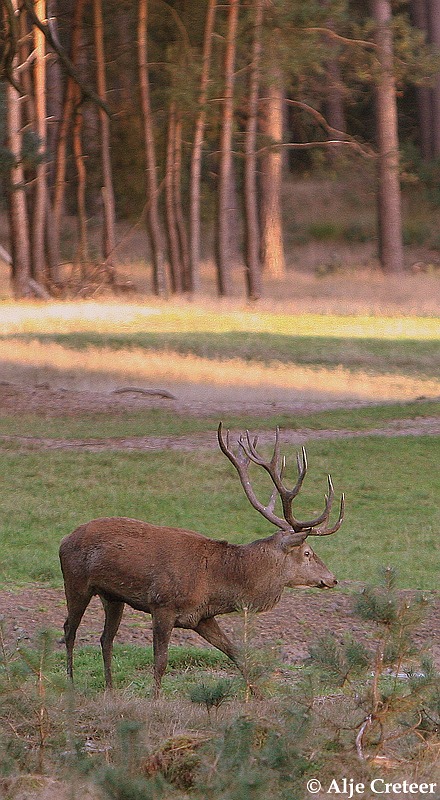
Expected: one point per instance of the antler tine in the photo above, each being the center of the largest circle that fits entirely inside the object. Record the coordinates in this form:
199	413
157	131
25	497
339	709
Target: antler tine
299	525
241	465
327	531
247	452
273	498
276	473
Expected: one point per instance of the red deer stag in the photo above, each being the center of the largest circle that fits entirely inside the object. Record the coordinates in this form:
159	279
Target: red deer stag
184	579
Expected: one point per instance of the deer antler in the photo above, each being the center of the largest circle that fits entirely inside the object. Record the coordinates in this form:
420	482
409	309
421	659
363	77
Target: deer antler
247	452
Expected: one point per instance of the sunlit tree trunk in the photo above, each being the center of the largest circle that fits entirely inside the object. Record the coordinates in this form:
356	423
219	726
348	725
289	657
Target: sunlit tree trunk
17	209
108	199
196	154
389	194
252	228
224	281
54	111
154	226
82	248
39	269
272	226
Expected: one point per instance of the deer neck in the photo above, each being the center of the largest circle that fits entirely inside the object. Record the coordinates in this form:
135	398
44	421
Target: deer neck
259	575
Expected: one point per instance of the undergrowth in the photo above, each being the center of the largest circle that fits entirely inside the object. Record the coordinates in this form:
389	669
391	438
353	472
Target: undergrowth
357	708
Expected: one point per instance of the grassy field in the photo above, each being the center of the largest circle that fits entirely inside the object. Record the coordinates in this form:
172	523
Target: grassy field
391	489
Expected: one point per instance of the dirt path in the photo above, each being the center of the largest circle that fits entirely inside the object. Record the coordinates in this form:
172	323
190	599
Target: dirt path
292	626
428	426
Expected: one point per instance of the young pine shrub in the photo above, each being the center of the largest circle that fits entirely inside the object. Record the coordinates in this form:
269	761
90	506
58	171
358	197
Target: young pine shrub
391	694
212	695
33	727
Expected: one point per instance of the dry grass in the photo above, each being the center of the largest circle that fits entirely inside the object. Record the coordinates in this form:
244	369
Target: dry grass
217	317
106	368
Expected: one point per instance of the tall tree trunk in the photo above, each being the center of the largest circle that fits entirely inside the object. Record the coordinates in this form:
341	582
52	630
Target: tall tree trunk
82	251
70	98
434	37
39	268
224	281
419	15
334	103
389	195
196	155
17	209
272	245
252	228
108	198
154	226
172	234
180	221
54	111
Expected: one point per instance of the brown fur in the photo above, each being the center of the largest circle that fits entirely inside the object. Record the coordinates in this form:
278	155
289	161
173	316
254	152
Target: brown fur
183	579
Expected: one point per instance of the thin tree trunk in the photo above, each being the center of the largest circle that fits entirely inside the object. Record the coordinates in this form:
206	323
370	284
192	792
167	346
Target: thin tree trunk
54	111
224	282
108	198
334	103
82	252
252	228
389	194
172	234
434	38
156	236
25	59
196	155
272	226
180	221
17	209
419	14
39	269
70	98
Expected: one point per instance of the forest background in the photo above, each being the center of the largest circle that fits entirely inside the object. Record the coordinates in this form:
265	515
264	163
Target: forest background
197	121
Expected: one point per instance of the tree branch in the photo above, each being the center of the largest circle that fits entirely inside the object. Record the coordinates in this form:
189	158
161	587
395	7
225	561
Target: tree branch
47	30
344	39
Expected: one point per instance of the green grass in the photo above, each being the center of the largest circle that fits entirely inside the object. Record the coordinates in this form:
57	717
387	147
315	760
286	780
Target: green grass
161	422
391	485
132	667
383	355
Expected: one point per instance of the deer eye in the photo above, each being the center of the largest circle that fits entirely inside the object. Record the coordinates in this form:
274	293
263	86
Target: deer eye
307	553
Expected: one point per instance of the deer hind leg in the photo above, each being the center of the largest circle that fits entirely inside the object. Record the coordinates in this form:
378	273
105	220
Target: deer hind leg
210	630
75	611
163	624
113	613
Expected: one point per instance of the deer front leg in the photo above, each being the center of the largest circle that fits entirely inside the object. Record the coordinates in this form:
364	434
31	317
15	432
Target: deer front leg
210	630
163	624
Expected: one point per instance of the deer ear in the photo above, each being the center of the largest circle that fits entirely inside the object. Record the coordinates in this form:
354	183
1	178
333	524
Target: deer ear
290	539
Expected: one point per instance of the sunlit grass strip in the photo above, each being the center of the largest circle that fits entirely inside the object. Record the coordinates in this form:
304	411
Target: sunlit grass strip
163	317
381	355
157	367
